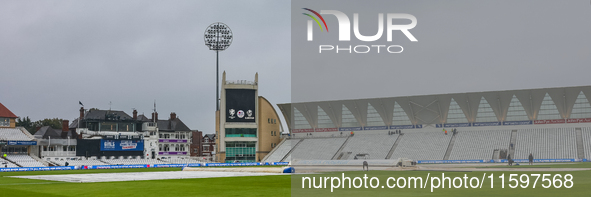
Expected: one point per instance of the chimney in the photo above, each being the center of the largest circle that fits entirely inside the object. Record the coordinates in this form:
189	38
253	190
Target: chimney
156	116
81	113
172	116
65	125
65	129
135	114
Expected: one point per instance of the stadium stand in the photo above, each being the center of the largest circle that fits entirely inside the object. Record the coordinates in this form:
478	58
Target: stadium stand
179	161
587	142
15	134
546	143
132	161
78	162
479	145
25	161
422	146
7	164
377	146
280	152
317	149
287	159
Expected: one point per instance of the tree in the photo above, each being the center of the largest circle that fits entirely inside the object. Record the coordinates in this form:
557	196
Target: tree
55	123
26	123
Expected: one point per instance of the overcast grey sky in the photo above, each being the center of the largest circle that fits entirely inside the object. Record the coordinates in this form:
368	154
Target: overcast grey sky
56	53
463	46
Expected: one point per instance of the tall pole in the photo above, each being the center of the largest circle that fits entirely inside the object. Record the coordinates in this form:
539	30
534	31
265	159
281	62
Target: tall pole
217	81
218	37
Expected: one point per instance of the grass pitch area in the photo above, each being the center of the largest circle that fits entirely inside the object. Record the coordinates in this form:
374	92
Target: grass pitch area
282	185
229	186
581	183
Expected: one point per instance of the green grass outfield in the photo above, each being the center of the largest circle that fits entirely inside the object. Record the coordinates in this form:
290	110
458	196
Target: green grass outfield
581	180
227	186
548	165
278	185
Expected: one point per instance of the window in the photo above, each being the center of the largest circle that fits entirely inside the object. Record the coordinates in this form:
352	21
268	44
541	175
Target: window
548	110
373	117
399	117
455	113
241	132
516	112
93	126
44	148
268	120
348	119
300	121
108	126
582	108
240	151
206	148
159	147
324	120
4	122
484	112
64	148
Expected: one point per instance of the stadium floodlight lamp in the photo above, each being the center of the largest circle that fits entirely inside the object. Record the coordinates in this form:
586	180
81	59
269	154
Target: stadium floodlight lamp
218	37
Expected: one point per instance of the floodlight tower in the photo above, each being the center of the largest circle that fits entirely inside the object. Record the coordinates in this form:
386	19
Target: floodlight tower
218	37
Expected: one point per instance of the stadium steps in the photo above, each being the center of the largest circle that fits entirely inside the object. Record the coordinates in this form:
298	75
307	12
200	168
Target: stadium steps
496	154
292	148
345	156
580	149
40	160
341	149
450	146
274	149
513	141
394	146
12	162
26	132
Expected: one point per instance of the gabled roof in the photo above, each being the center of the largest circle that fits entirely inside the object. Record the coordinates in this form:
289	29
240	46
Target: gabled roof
6	113
94	114
47	131
172	125
74	124
210	136
143	118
